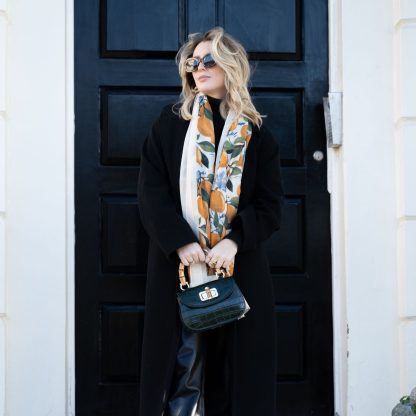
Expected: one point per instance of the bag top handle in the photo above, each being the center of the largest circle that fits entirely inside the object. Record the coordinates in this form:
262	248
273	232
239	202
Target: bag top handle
182	279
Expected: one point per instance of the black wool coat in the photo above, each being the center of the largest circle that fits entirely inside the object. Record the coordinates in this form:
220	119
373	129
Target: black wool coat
252	339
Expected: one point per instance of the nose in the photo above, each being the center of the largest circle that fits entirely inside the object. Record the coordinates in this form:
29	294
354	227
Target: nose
200	63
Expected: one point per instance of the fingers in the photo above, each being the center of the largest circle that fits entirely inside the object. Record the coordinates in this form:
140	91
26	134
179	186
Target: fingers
191	253
219	262
201	256
222	254
229	266
223	262
189	258
226	264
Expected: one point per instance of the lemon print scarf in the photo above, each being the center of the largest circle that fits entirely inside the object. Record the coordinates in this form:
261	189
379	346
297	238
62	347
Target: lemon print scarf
210	182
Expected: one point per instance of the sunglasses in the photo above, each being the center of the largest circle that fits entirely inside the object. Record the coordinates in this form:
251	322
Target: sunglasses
192	64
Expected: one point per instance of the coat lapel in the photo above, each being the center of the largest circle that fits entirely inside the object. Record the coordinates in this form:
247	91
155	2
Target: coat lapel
180	132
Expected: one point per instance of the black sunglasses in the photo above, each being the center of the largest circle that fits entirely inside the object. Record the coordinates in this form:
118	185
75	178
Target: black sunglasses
192	64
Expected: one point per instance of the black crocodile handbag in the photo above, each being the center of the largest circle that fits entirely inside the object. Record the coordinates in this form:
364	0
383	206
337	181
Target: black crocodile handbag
211	304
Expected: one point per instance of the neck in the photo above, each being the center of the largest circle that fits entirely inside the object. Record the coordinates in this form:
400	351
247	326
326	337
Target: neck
219	95
215	98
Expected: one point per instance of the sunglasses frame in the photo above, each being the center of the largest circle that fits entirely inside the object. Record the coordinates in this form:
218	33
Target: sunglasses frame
200	60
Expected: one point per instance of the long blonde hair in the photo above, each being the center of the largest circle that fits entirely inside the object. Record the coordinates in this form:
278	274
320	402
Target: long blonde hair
231	56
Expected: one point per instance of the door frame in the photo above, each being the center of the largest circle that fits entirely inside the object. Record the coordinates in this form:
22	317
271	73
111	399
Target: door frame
70	208
335	188
336	209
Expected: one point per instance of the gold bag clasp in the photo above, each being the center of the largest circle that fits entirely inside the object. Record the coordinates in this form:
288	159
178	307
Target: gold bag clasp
208	293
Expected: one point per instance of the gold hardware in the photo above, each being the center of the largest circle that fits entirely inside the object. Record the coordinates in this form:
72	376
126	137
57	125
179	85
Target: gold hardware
208	293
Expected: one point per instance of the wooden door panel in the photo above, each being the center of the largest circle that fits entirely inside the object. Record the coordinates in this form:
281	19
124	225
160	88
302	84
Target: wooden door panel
124	75
274	26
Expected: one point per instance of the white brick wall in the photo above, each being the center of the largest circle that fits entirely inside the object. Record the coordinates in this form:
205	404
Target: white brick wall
405	137
3	40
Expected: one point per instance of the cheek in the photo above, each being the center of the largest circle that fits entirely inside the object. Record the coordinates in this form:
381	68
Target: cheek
220	75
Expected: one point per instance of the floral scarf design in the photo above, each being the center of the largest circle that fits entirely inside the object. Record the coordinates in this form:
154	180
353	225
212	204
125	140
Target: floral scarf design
218	178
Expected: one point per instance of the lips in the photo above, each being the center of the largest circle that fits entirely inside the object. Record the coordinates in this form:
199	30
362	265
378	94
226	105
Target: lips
203	77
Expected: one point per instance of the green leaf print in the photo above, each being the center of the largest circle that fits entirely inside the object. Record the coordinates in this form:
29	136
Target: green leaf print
204	194
207	242
236	171
208	114
204	160
229	185
239	140
228	145
236	152
234	201
207	146
216	221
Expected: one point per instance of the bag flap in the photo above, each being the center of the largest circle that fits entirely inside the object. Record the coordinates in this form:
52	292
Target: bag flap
217	291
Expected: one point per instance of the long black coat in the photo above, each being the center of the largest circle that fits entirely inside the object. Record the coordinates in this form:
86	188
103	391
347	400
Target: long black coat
253	338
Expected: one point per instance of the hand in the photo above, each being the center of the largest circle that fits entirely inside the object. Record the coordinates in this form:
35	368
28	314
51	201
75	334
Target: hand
222	254
191	253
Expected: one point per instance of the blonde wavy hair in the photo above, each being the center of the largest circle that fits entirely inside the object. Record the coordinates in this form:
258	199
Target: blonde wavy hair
231	56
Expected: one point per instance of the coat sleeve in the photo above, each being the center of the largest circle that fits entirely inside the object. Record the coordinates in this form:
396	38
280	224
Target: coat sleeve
156	205
262	216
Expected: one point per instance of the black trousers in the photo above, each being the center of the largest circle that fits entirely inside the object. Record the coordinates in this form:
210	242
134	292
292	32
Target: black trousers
201	383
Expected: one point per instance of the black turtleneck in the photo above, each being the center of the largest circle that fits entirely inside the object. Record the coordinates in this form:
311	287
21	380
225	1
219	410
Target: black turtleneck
217	118
236	233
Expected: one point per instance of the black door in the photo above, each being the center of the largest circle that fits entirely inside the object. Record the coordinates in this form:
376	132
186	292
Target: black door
124	74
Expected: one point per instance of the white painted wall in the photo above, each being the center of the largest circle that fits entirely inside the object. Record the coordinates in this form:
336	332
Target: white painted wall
38	212
370	207
3	43
373	203
405	138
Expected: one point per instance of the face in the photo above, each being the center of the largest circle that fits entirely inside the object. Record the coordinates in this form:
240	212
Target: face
209	81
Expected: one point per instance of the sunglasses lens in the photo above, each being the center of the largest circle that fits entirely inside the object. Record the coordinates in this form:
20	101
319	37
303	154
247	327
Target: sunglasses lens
191	65
208	61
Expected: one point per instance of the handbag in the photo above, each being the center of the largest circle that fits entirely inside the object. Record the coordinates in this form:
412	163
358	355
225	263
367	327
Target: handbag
211	304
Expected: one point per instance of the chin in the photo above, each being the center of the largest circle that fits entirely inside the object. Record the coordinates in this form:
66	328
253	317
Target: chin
207	92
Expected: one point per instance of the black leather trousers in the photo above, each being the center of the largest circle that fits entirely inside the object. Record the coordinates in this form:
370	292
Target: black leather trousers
201	380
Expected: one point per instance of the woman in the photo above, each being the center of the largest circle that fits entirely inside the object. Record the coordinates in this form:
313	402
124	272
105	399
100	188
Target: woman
209	211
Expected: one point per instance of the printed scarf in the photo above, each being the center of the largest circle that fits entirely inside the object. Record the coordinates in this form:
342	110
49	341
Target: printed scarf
210	182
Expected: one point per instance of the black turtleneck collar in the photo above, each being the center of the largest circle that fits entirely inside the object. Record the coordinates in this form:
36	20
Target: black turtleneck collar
217	118
214	103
